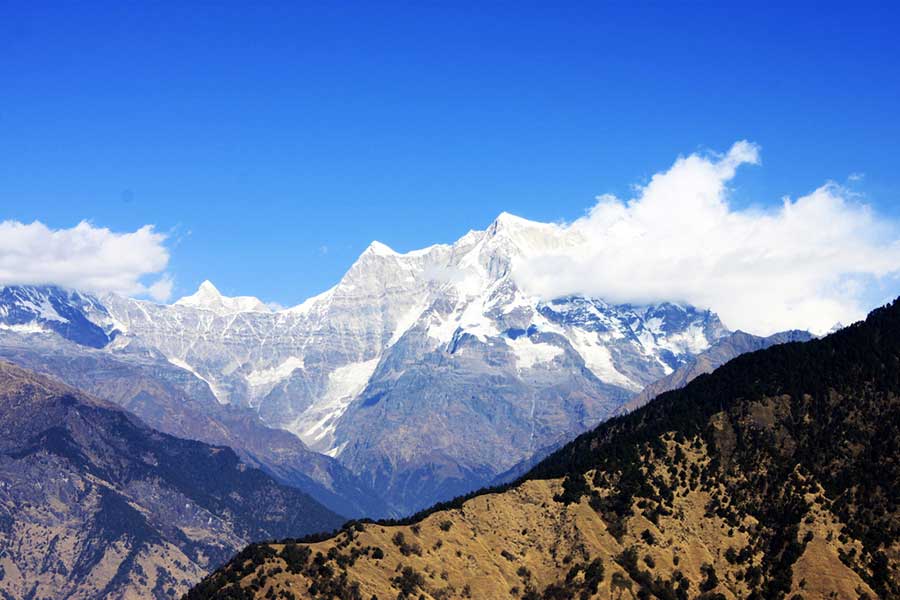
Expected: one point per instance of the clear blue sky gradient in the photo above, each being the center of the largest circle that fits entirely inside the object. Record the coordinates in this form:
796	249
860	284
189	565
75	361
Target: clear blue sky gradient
259	133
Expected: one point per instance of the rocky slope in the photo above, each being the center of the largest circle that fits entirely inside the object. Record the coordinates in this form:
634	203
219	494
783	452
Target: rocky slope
94	504
425	374
776	476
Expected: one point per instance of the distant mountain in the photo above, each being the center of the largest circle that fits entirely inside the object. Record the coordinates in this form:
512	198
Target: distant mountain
720	352
776	476
95	504
425	374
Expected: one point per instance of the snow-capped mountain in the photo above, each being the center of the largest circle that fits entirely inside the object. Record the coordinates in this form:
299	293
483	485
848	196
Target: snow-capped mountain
427	372
74	316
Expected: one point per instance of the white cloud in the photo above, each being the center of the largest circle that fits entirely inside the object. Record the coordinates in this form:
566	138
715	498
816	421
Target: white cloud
808	263
85	257
161	289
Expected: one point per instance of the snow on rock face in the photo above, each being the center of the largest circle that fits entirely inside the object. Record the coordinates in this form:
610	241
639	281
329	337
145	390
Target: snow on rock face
24	328
275	374
598	358
219	394
528	353
316	426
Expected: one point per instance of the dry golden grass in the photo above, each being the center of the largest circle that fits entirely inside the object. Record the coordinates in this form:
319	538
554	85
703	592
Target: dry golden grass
499	546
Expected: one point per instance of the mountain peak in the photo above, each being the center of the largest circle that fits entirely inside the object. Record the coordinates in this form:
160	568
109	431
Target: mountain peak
206	293
509	235
378	249
509	222
208	297
207	287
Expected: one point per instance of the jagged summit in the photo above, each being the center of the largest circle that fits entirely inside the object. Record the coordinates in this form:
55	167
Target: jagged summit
208	297
506	238
836	327
512	237
508	221
206	293
379	249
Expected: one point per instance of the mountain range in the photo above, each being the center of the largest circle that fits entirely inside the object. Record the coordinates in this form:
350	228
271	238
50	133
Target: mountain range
418	377
424	375
775	476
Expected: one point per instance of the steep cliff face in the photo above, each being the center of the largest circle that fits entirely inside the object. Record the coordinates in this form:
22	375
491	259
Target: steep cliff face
97	505
776	476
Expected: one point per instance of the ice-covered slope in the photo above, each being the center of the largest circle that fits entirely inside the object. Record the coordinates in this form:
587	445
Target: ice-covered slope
427	372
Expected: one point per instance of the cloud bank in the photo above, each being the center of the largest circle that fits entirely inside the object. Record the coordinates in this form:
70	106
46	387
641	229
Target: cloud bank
809	263
85	257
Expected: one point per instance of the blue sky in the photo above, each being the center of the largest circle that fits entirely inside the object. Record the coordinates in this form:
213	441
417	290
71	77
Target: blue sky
258	135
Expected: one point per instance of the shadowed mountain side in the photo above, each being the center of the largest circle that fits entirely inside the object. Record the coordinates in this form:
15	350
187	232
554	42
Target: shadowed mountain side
95	504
